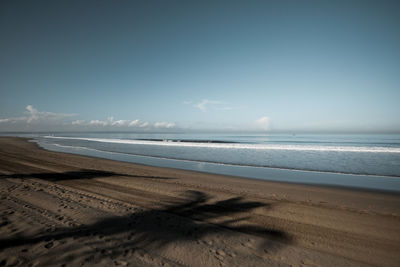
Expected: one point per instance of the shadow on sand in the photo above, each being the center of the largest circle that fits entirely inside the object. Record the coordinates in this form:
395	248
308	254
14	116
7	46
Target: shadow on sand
192	217
176	222
72	175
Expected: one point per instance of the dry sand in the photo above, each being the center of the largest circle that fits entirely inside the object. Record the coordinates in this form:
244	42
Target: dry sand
67	210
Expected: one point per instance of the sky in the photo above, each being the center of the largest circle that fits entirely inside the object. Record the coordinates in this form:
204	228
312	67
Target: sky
267	66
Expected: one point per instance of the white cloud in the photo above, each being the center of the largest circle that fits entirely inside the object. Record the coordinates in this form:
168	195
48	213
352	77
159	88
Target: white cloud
134	123
34	115
4	120
39	120
263	123
98	123
187	102
144	124
110	122
164	125
120	123
205	103
78	122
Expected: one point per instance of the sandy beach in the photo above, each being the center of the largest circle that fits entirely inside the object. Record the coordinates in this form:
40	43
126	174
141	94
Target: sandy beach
60	209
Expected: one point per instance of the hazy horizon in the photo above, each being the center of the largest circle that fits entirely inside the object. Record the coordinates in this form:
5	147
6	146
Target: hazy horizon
211	131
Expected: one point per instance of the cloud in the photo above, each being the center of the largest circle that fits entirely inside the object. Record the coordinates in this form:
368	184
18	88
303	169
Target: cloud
134	123
44	120
263	123
34	113
35	116
4	120
187	102
167	125
206	104
78	122
120	123
203	105
110	122
98	123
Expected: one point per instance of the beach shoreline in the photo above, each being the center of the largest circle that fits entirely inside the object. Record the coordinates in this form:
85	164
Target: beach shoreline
307	170
60	208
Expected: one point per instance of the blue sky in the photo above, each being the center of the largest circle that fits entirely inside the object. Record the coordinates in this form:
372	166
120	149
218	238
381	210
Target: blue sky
200	65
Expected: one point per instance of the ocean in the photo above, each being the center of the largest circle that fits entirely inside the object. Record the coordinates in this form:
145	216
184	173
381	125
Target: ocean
362	161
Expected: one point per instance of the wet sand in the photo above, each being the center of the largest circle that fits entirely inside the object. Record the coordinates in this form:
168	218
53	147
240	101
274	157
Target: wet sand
61	209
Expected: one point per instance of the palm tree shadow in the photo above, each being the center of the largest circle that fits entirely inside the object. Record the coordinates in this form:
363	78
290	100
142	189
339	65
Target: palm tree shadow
74	175
193	218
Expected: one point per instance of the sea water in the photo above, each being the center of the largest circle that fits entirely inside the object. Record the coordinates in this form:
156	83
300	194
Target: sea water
364	161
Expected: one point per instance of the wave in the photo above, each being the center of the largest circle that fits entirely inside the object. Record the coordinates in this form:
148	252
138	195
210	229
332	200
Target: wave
229	145
225	163
190	141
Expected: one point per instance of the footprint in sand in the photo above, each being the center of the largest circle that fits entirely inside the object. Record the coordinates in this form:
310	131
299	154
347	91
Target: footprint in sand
4	222
49	245
249	244
220	254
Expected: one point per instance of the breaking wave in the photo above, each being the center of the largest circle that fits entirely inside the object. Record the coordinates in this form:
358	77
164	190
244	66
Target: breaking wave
234	145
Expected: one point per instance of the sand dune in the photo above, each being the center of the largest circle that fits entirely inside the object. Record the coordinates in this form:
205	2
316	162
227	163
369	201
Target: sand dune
67	210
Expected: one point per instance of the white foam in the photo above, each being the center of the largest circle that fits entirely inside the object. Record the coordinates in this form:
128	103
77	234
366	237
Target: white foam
372	149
